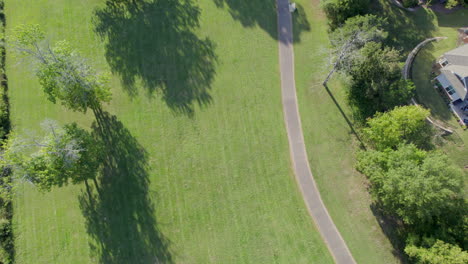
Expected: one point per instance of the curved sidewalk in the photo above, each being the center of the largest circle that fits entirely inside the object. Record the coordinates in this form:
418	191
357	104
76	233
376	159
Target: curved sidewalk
317	210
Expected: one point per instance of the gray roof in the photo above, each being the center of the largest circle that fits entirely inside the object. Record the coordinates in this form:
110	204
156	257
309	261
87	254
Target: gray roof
456	83
460	70
458	56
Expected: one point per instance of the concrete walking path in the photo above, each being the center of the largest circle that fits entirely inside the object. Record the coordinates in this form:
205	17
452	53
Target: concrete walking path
317	210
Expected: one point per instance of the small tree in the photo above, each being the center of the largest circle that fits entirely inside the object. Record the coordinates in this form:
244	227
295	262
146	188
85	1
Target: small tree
405	124
64	155
62	73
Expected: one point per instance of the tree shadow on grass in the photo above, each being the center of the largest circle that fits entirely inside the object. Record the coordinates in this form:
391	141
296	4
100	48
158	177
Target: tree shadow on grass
455	20
390	226
348	121
262	13
406	29
120	217
153	42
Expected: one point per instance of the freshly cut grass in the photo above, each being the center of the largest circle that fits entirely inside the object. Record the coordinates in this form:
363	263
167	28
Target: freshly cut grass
187	183
331	145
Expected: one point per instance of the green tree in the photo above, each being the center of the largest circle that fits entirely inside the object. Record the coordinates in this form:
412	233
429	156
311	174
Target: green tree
351	37
405	124
439	253
62	73
376	80
64	155
338	11
422	188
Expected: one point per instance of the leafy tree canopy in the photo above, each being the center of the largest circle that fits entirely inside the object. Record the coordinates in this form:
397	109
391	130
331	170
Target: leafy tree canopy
376	80
439	253
62	73
357	31
64	154
405	124
422	188
348	39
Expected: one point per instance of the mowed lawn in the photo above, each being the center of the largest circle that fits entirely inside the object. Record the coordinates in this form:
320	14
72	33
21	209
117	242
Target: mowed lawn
331	146
189	183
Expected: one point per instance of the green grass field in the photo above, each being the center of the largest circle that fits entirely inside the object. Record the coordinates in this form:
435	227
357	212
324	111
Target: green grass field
202	170
199	175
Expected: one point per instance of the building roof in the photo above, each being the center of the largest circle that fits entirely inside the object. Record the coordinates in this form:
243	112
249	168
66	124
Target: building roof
457	84
460	70
458	56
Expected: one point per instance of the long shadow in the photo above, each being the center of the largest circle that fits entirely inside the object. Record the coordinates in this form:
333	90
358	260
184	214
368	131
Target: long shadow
153	43
120	216
262	13
390	227
350	124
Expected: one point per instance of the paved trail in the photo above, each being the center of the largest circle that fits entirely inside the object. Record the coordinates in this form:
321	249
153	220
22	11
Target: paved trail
317	210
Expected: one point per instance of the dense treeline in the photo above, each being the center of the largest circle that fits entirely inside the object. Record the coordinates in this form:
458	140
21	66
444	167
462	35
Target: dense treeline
6	235
410	181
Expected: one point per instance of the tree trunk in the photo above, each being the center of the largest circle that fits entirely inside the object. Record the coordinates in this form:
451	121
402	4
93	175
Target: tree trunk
97	186
88	190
